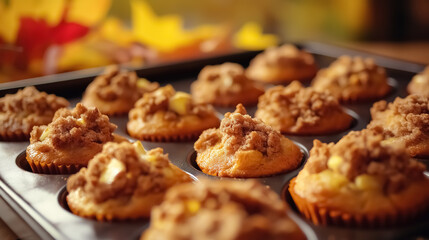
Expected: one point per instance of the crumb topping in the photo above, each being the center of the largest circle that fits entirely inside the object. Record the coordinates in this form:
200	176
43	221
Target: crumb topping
135	174
29	100
114	84
347	71
240	132
286	55
305	105
28	108
163	100
414	118
365	152
419	83
77	127
221	80
412	104
222	210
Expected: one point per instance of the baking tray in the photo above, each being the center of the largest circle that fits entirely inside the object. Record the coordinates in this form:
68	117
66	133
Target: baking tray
33	205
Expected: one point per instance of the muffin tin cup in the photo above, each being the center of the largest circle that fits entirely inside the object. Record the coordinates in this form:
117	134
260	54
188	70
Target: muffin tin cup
36	201
326	216
50	168
18	136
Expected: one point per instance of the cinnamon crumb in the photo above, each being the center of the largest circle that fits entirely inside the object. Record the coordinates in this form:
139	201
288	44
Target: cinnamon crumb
222	210
139	178
65	130
365	153
305	106
406	119
239	132
28	108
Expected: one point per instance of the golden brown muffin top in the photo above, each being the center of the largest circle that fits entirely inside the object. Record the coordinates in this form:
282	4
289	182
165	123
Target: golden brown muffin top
114	84
413	108
285	55
174	104
223	209
416	107
364	152
239	132
31	101
347	71
420	83
306	105
123	169
76	127
223	79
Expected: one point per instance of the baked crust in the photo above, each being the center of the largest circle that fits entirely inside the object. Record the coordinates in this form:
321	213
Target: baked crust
114	92
27	108
236	209
353	79
372	181
71	139
303	111
405	121
420	83
122	183
225	85
282	64
245	147
153	119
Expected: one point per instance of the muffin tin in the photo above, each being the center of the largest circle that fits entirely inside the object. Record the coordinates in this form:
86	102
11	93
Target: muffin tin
34	205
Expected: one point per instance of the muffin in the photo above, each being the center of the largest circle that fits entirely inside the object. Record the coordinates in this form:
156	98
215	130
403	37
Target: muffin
225	85
245	147
115	92
27	108
302	111
405	121
167	115
420	83
353	79
67	143
281	65
124	181
224	210
360	182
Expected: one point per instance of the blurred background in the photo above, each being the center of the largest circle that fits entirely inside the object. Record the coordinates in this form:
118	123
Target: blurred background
39	37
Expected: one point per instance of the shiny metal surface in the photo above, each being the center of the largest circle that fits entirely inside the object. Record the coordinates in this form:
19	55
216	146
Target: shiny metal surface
38	199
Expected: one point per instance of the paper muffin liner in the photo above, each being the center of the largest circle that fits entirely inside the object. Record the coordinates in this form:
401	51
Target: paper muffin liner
50	168
15	136
325	216
168	138
116	113
232	104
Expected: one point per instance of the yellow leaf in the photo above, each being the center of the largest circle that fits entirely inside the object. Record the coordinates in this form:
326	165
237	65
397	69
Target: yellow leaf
48	10
113	30
9	23
81	54
87	12
251	37
165	33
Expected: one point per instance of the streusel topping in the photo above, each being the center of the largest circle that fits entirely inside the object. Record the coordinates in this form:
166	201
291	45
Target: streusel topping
239	131
120	170
305	106
222	210
364	152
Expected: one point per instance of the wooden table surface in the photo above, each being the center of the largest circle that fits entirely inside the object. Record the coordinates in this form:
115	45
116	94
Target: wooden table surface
410	51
